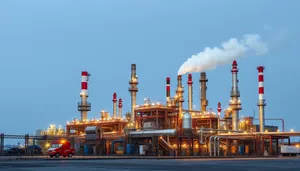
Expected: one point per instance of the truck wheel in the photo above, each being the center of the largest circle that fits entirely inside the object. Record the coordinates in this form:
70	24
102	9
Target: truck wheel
51	156
70	155
57	155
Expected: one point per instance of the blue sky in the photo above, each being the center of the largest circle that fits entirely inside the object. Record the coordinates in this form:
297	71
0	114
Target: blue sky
44	46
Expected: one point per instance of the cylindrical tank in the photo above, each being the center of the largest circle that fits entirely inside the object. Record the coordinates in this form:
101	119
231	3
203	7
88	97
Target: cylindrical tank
187	121
247	149
86	149
128	148
241	149
233	149
104	115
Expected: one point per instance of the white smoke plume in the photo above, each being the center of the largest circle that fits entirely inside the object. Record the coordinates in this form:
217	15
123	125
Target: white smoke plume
233	49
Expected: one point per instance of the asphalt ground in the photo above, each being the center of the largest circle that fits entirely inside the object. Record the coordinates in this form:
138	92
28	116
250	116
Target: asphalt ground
225	164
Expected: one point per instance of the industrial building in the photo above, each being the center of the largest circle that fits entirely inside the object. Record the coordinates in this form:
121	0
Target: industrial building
169	129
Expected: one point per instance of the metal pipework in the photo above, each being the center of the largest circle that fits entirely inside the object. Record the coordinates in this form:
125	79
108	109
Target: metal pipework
163	132
274	119
190	92
217	143
211	129
203	89
261	101
133	90
235	103
210	145
114	105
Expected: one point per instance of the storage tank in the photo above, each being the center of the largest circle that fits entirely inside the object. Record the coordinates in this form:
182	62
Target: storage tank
247	149
187	121
104	115
233	149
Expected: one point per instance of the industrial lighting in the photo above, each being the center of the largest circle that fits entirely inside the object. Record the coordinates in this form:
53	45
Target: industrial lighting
47	145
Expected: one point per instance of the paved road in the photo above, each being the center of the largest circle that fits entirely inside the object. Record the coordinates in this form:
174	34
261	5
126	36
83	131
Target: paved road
258	164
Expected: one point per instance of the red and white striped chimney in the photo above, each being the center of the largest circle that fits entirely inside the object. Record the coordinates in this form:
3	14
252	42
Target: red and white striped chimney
168	89
84	106
219	108
261	101
114	105
190	92
84	83
120	105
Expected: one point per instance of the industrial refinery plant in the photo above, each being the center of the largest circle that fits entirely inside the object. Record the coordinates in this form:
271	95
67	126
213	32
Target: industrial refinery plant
169	129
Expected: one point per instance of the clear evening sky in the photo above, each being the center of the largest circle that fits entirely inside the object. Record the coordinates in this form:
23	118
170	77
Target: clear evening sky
44	46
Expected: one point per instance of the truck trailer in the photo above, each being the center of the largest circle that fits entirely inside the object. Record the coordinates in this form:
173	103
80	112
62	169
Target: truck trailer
286	150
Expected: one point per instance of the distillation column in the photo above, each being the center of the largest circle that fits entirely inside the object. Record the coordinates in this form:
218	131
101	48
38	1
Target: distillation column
114	105
179	94
84	106
120	105
190	92
261	101
133	90
203	89
235	103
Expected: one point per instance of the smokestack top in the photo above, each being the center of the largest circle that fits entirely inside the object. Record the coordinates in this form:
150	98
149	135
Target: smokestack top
203	77
179	77
114	97
85	73
234	66
260	68
190	79
168	78
120	103
219	107
234	63
133	66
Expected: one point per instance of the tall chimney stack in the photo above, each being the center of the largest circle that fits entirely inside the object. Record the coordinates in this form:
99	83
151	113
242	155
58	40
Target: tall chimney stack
179	93
114	105
219	114
133	90
168	89
235	103
190	92
120	105
261	101
203	89
84	106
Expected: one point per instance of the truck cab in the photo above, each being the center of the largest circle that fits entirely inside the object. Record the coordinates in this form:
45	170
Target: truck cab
61	148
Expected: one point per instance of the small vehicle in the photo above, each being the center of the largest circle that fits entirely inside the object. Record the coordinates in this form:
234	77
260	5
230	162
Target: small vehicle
61	148
14	151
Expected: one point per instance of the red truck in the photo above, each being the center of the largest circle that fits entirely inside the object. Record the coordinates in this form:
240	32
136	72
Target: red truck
61	148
